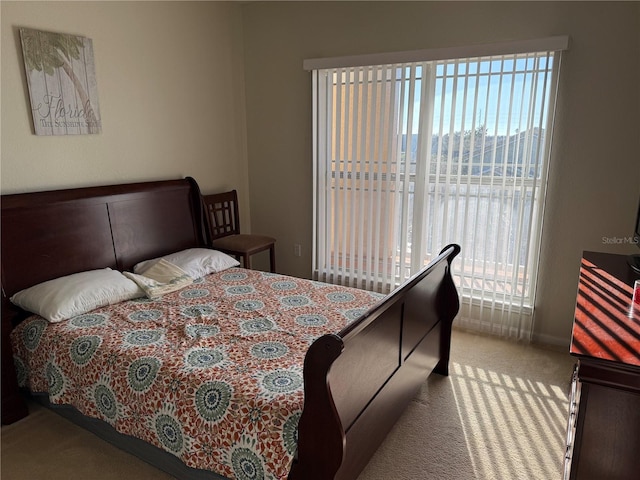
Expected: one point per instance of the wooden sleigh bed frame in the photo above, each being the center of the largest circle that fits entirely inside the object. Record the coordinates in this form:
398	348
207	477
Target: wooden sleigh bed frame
357	382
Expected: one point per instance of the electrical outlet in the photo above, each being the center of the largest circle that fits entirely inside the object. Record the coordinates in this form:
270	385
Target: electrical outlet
297	250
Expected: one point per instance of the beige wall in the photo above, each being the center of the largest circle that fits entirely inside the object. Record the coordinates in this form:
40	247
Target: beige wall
171	92
595	170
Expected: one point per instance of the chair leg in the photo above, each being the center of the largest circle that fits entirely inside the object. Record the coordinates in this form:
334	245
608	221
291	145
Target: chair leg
272	258
247	261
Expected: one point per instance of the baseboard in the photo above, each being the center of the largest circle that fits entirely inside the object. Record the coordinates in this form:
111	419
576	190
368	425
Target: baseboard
551	341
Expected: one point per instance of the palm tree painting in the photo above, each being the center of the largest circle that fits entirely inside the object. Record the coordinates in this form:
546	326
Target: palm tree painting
62	82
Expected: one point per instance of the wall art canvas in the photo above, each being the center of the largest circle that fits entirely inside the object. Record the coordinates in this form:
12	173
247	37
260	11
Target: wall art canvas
61	77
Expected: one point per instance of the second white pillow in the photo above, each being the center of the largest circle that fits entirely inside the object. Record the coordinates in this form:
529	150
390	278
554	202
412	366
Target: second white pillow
196	262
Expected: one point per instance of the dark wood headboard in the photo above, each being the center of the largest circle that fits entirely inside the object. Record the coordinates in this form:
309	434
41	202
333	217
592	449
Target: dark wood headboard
51	234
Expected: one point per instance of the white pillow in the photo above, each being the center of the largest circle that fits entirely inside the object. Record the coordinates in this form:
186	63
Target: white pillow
66	297
197	262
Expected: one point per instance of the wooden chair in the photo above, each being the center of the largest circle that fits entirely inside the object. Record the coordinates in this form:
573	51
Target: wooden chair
223	221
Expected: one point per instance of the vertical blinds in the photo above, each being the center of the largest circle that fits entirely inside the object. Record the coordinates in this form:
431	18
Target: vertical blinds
411	156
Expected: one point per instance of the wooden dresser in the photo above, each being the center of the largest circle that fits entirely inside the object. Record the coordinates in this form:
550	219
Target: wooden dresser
603	434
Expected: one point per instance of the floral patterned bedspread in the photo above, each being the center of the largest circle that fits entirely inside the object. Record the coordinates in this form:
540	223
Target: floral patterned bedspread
211	373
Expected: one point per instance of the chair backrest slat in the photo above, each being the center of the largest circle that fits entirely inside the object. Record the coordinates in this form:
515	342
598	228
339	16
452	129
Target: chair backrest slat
222	213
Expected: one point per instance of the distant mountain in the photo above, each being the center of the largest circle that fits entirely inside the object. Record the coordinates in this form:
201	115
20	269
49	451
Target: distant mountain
491	155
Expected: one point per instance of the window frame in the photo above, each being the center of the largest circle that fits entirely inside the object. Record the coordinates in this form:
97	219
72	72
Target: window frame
554	44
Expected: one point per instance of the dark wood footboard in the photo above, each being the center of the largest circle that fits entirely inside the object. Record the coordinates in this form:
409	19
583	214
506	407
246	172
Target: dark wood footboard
359	381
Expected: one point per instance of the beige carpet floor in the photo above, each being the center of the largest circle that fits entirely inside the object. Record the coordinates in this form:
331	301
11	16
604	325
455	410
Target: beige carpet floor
501	414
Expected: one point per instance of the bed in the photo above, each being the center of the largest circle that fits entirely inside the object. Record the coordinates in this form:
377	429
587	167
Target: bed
320	413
